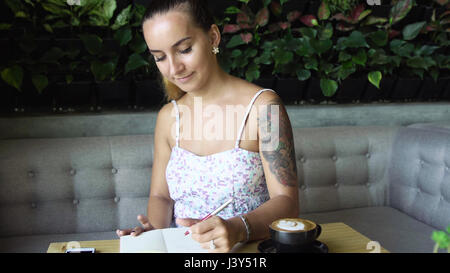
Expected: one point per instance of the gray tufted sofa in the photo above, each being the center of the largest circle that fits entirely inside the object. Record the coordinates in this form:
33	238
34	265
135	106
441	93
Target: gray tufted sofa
391	183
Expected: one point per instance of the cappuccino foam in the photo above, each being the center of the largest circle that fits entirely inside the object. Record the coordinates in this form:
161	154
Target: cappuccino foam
290	225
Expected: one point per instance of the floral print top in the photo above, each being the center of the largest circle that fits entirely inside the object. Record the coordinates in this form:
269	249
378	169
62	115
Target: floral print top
201	184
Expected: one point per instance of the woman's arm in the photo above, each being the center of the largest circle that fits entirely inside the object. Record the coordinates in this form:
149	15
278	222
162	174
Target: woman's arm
160	205
276	147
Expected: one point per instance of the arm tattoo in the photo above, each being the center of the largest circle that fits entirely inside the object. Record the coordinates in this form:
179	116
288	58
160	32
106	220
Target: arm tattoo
281	155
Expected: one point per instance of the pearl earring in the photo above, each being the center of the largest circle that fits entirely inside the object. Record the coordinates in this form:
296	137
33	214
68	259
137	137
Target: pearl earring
215	50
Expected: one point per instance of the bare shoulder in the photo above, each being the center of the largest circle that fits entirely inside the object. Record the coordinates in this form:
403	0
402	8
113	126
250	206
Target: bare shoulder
165	113
164	121
265	98
268	98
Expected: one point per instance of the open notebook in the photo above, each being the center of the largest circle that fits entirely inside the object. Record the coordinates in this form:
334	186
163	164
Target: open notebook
168	240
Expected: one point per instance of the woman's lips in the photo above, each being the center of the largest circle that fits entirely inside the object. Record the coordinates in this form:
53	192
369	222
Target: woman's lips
185	79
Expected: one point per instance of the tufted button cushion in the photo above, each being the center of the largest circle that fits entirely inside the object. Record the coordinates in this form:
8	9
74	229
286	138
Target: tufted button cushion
416	189
338	169
78	198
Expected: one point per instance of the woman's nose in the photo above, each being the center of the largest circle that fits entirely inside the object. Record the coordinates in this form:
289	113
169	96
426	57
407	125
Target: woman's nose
176	66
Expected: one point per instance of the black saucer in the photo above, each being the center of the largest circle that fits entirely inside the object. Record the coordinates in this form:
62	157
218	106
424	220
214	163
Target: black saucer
267	246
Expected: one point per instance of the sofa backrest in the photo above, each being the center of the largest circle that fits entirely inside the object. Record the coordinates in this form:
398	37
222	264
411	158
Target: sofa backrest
419	174
73	185
94	184
342	167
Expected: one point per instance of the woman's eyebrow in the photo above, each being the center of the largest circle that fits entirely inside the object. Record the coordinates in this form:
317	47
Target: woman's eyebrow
174	45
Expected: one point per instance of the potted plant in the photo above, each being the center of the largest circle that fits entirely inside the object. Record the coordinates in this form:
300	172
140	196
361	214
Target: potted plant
441	239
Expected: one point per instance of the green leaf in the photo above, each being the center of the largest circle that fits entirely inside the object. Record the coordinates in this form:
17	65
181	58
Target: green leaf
343	56
282	56
426	50
308	32
48	28
108	8
123	18
321	46
312	63
250	52
252	72
344	70
328	87
13	76
283	1
380	37
360	57
236	40
55	9
53	55
401	48
102	70
420	62
232	10
265	58
92	43
441	238
356	39
135	61
434	73
40	82
236	53
123	35
412	30
138	44
303	74
327	32
375	78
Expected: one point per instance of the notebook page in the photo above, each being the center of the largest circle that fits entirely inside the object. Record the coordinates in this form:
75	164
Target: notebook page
149	241
177	242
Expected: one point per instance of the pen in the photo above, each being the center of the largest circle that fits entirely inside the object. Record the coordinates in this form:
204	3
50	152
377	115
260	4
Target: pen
213	213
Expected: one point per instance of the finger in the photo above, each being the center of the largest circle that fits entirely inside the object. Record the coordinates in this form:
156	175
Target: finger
123	232
186	222
219	243
204	237
144	221
207	225
136	231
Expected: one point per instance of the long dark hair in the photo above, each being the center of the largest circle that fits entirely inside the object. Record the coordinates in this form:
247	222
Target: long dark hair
201	16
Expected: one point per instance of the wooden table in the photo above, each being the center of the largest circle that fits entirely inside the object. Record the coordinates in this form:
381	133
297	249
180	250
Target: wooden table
339	237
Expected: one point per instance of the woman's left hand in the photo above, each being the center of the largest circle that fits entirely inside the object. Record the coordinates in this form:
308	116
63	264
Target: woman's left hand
213	232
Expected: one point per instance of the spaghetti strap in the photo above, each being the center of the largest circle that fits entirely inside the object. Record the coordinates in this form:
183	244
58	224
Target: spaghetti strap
246	115
177	132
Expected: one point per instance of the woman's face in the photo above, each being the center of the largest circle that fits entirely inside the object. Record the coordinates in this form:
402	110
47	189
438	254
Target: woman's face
181	50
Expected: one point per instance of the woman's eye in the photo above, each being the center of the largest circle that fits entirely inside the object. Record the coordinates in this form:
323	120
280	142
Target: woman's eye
187	50
158	59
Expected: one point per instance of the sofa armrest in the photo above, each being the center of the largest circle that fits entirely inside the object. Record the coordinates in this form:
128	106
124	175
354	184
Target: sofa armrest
419	174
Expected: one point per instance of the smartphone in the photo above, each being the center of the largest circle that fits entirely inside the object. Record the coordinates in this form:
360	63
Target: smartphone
81	250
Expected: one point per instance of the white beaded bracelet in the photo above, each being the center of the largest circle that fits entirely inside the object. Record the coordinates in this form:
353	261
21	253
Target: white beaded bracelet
247	227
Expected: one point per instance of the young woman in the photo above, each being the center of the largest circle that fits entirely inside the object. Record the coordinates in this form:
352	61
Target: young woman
195	172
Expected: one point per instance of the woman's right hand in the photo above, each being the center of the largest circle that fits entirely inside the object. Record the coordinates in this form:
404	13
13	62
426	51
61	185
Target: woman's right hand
146	226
